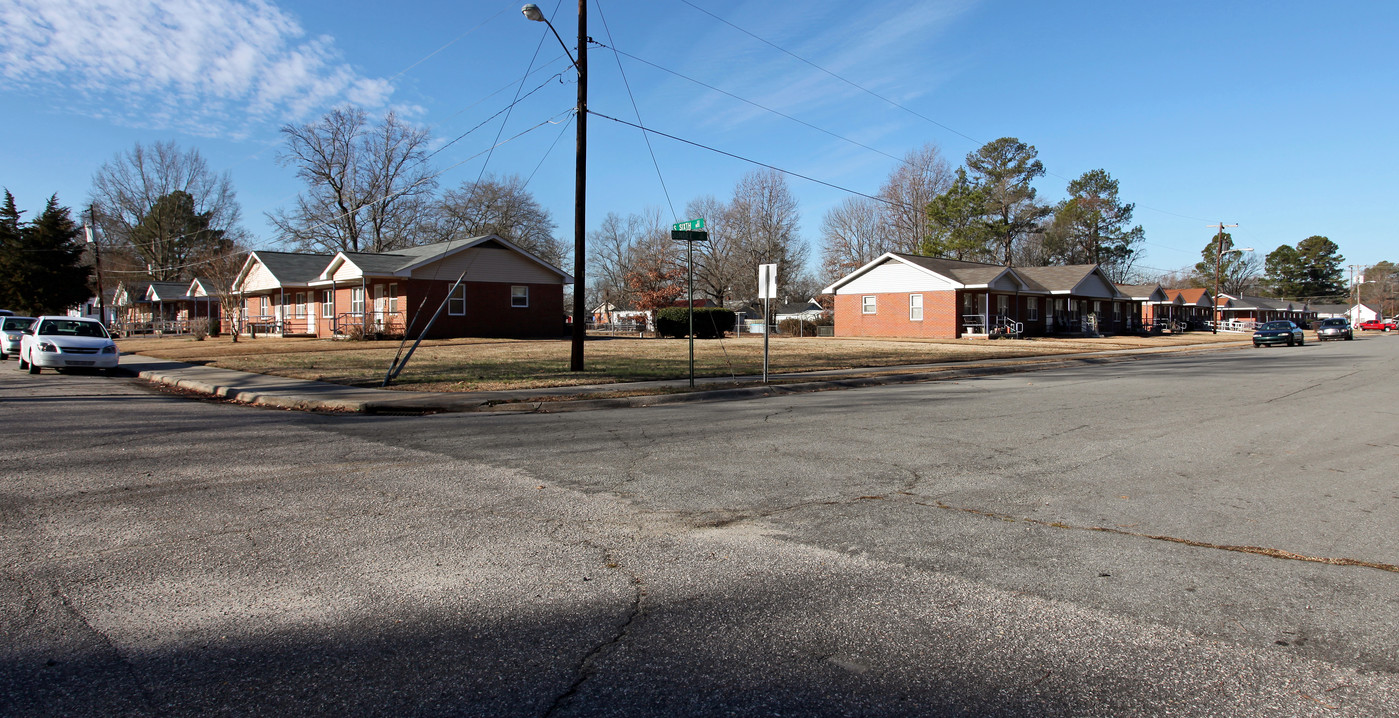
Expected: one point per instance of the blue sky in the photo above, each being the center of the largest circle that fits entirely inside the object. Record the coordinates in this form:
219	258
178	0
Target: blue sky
1277	116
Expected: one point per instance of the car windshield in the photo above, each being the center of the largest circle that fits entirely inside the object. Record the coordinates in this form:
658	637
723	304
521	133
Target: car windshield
1333	322
16	323
1277	326
71	328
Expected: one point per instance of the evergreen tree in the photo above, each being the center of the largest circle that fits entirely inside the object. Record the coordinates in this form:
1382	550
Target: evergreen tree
172	232
43	261
1237	270
1003	170
954	219
1093	226
1309	271
9	248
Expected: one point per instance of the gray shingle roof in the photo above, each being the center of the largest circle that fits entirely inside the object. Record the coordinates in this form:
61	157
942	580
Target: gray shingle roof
964	272
294	267
1055	279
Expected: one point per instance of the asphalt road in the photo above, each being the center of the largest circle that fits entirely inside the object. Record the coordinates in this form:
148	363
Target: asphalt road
1125	539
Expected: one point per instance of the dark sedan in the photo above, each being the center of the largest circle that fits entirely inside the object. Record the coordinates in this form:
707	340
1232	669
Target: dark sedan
1278	332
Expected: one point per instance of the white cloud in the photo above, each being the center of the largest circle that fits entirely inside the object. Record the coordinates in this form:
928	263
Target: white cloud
205	66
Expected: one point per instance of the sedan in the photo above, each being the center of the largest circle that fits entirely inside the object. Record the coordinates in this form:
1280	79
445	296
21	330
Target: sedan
1334	328
1278	332
67	342
11	328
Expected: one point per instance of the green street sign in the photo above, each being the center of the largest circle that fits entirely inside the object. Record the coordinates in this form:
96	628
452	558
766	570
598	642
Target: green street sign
689	225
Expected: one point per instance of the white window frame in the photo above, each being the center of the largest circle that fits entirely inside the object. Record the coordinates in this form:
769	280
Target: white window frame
868	304
1032	308
393	297
915	307
1003	305
1097	307
456	305
300	304
1117	311
519	292
356	300
328	304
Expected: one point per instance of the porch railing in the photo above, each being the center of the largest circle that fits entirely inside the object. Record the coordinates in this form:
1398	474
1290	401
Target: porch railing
361	324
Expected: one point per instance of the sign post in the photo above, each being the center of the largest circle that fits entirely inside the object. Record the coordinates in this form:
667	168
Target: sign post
689	232
767	291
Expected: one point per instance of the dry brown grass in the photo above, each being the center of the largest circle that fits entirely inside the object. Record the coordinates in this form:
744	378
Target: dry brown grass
492	364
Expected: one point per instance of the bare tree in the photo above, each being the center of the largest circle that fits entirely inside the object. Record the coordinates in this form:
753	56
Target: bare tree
851	236
499	206
922	176
161	205
219	266
366	187
764	220
718	262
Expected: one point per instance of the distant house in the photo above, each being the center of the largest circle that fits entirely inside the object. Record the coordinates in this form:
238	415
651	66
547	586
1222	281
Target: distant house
808	311
905	295
1253	310
1145	298
1364	313
1187	308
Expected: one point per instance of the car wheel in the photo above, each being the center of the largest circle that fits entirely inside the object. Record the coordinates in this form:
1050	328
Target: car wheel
1256	345
1301	341
33	368
1349	337
1291	341
22	363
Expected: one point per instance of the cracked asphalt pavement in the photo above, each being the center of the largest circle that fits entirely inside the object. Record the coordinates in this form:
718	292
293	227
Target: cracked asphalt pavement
1194	535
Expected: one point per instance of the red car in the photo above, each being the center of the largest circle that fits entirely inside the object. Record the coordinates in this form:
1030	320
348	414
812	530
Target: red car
1383	325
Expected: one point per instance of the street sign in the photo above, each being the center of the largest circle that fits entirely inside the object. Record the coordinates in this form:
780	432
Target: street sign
687	235
689	225
767	281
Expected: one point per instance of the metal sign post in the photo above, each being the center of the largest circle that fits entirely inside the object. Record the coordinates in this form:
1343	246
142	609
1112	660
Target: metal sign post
767	291
689	232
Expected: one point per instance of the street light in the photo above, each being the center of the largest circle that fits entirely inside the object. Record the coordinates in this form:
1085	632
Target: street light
580	180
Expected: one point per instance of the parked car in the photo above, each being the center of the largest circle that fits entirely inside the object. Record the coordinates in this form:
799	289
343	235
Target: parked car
1334	328
11	327
1377	325
1281	331
67	342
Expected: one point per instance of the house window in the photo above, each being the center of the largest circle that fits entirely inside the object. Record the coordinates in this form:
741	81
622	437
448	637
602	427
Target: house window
1002	305
915	307
301	304
263	303
867	304
328	303
1117	311
968	304
519	296
1058	305
1032	305
393	297
456	304
1097	307
357	300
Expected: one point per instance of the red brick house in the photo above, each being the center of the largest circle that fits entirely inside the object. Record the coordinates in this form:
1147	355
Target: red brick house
504	291
905	295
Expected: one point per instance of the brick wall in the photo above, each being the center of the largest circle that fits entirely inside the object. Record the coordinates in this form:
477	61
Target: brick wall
891	317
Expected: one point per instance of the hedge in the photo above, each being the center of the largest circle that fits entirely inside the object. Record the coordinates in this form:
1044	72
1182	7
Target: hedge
710	322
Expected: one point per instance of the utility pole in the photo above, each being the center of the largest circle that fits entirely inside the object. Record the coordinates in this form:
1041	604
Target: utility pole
1218	262
97	261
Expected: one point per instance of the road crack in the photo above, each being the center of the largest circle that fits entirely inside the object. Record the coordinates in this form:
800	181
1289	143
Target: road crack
586	667
1257	550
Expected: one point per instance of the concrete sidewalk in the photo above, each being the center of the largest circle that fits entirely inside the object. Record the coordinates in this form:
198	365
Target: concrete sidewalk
306	395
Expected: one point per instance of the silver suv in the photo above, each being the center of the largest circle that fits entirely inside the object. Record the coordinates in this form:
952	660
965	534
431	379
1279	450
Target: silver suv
1334	328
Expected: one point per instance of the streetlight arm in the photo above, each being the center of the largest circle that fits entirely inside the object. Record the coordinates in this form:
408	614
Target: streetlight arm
533	12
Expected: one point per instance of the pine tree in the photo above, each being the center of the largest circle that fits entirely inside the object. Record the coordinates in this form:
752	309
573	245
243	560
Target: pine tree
43	265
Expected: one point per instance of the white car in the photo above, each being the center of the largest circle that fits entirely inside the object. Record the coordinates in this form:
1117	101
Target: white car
11	328
67	342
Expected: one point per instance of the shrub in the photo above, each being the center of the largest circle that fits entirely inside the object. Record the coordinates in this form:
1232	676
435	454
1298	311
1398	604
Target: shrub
797	327
710	322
